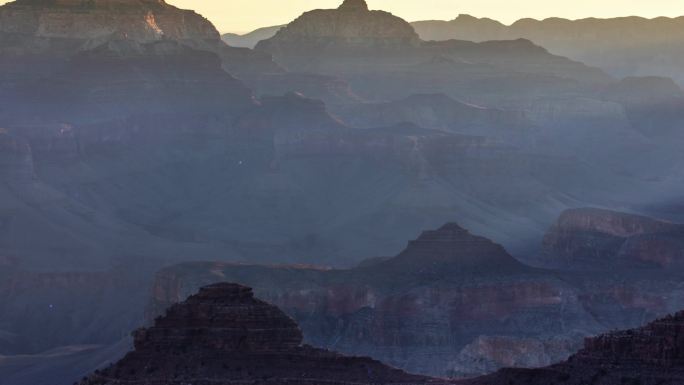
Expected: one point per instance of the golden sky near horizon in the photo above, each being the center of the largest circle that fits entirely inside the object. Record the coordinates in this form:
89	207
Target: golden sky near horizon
246	15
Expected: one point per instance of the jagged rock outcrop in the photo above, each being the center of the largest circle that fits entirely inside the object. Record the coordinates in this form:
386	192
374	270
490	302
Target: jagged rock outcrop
650	355
594	239
223	335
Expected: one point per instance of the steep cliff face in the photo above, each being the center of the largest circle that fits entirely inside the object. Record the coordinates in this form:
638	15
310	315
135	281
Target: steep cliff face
224	335
598	239
649	355
94	22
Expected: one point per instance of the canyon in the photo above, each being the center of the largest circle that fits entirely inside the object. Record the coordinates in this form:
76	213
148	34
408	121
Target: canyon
224	335
451	304
136	146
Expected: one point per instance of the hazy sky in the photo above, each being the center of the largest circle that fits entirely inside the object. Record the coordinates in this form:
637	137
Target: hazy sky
246	15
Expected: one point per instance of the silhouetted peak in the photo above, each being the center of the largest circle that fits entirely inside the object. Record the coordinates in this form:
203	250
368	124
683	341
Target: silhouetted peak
223	317
354	5
449	250
452	227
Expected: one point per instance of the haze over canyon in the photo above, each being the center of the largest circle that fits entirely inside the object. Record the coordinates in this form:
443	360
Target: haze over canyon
347	198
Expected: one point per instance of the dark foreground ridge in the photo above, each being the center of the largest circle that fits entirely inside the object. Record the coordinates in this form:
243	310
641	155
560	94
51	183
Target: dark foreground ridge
223	335
651	355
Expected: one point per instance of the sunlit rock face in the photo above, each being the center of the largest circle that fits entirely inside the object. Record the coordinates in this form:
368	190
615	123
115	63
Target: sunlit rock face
93	22
594	239
224	335
39	37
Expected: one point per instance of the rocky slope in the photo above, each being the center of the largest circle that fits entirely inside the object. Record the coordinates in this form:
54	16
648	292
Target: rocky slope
225	335
600	239
648	355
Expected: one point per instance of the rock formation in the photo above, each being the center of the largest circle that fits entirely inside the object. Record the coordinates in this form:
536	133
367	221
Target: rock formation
223	335
382	58
351	27
650	355
39	36
419	310
598	239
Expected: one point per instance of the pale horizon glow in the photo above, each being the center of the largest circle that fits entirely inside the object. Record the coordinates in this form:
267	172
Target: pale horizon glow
241	16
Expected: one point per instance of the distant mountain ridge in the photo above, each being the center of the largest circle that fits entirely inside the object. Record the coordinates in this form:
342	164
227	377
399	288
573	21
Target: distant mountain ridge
624	46
250	40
